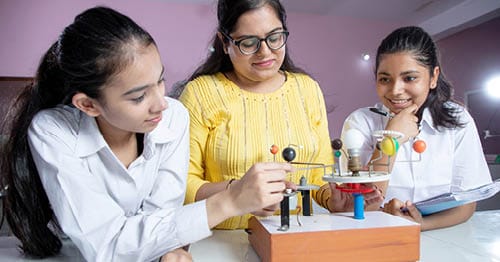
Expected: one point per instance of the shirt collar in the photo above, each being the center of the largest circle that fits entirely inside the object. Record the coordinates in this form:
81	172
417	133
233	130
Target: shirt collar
90	139
427	120
162	134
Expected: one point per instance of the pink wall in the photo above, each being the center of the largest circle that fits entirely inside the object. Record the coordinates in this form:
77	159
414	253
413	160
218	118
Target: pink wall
29	27
330	49
327	47
469	59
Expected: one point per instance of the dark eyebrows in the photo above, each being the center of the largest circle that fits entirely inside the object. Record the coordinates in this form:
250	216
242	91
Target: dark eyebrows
401	74
275	30
161	74
141	88
409	72
270	32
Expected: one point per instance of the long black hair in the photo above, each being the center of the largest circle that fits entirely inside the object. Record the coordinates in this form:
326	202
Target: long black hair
420	45
95	47
228	13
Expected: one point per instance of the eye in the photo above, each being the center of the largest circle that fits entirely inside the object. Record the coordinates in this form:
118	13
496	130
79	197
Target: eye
410	78
249	42
276	37
137	100
383	80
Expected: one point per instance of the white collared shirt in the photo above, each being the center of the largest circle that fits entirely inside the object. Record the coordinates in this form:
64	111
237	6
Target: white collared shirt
110	212
453	160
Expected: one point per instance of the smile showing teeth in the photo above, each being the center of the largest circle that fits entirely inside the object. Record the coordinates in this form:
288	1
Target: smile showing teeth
399	101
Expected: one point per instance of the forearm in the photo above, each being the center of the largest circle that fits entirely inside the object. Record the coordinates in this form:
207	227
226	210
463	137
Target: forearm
383	164
221	206
209	189
177	255
449	217
262	186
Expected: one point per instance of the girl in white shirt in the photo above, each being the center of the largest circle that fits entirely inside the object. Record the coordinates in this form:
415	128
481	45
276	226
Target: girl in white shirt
418	98
97	150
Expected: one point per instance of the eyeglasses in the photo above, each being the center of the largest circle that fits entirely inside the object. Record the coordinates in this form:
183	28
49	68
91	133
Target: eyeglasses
251	44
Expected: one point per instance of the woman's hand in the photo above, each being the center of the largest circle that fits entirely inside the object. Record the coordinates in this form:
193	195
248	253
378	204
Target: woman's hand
406	209
177	255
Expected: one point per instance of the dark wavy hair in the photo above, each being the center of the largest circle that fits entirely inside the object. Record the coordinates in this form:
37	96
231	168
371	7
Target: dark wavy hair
228	13
420	45
95	47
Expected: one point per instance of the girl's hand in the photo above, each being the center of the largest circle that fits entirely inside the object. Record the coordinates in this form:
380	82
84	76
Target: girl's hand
373	199
177	255
271	210
406	209
343	201
267	211
405	122
261	189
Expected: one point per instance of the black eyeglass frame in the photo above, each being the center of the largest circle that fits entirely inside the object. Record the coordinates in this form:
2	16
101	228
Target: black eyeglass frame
238	42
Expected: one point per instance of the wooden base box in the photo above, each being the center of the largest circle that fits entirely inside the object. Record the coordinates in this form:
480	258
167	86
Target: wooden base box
336	237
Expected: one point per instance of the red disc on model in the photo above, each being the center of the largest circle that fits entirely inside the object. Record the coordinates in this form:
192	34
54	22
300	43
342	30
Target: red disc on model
354	188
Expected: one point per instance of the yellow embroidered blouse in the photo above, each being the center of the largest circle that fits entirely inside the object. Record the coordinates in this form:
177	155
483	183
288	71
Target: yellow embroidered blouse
231	129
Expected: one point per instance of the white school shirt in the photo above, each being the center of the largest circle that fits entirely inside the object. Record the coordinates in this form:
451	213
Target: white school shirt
110	212
453	160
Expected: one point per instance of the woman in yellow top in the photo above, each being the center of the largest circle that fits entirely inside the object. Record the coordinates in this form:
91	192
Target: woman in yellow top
248	96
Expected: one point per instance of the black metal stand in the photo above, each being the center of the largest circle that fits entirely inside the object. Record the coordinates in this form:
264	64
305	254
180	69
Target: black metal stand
306	202
285	213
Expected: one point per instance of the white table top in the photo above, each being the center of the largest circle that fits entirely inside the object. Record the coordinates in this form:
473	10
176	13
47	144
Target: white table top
475	240
478	239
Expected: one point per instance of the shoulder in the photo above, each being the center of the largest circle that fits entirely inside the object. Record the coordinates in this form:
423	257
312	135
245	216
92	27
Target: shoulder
176	113
62	123
304	84
364	119
206	81
301	77
203	86
174	124
64	119
208	93
361	113
459	112
174	104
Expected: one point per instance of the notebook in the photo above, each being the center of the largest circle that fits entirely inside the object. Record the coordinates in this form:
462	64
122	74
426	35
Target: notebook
454	199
